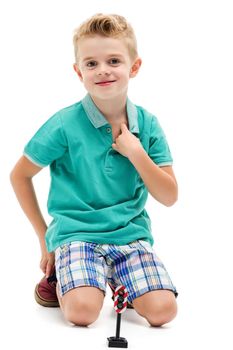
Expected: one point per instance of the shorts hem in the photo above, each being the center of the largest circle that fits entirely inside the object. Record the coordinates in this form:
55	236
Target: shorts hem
139	294
66	289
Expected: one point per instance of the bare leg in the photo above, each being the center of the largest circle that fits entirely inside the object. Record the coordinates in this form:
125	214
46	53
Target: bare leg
157	307
59	298
81	305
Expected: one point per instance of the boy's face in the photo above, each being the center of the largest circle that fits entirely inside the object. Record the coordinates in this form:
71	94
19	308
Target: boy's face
104	59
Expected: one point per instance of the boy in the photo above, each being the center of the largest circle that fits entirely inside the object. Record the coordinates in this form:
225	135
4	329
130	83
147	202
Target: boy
105	154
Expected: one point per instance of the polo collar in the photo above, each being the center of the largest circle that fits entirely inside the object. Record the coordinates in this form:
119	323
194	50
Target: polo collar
98	120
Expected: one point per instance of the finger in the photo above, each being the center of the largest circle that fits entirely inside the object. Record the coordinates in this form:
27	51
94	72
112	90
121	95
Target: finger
43	266
123	127
43	269
49	269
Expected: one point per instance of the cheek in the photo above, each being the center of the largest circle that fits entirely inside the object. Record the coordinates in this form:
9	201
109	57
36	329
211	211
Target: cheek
88	76
123	73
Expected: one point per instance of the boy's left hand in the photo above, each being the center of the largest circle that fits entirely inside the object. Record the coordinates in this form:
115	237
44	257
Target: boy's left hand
126	143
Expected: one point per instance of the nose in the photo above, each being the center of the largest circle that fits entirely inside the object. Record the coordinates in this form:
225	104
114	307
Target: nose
103	69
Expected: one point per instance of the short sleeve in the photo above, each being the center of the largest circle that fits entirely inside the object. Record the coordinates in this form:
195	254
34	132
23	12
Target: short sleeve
48	143
159	150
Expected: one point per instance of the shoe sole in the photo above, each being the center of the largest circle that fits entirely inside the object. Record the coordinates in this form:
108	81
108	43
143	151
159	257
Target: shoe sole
44	302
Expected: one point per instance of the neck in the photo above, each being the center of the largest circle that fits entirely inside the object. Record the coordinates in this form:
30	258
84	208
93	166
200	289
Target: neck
113	110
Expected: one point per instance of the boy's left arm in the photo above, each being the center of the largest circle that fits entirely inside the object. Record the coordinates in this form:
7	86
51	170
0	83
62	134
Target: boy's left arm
160	181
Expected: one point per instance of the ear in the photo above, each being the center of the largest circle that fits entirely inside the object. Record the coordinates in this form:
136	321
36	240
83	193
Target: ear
78	71
135	68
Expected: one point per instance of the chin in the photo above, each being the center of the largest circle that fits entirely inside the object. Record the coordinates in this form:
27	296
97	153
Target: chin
105	96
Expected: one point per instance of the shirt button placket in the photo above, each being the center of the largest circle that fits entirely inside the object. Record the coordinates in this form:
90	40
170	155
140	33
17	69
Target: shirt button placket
108	158
108	161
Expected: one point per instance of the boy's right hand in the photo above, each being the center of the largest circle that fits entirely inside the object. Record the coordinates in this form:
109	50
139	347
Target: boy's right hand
47	263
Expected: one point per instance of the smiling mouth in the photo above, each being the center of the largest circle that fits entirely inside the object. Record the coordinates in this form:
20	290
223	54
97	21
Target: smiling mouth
106	82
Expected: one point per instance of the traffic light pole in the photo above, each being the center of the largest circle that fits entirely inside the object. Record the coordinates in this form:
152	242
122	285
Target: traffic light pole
118	325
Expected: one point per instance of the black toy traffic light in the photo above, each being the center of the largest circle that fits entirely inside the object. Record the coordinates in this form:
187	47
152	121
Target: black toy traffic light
120	305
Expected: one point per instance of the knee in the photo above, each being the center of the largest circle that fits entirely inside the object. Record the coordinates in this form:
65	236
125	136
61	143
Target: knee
82	313
162	313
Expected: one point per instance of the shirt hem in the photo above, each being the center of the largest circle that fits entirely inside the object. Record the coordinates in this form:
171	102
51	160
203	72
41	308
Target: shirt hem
52	247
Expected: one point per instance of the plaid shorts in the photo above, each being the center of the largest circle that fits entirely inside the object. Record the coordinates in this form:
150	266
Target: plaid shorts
134	265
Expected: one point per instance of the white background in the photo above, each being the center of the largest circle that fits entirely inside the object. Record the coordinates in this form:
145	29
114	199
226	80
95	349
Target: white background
186	80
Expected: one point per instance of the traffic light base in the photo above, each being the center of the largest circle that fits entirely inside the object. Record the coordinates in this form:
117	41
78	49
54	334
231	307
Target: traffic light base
114	342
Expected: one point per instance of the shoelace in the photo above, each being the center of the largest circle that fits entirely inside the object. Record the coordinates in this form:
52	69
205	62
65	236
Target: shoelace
52	280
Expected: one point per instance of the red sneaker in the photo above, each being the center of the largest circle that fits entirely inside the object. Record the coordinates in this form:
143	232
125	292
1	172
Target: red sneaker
45	292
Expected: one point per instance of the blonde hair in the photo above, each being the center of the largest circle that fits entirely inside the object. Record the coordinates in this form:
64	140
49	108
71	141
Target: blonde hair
113	26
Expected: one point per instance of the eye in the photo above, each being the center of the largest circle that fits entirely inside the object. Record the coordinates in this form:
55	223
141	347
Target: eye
91	64
114	60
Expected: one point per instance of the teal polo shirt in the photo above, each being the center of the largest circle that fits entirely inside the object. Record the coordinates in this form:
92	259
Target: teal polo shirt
96	195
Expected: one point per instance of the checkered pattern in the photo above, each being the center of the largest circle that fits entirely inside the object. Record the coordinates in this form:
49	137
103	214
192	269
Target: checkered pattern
134	265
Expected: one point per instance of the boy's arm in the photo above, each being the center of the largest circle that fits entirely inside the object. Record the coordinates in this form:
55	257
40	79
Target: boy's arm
160	182
21	180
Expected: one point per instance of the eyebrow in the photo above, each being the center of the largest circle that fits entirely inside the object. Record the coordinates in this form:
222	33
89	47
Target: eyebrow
114	54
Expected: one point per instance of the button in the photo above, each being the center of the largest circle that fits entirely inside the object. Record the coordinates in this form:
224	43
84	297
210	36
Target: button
108	130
